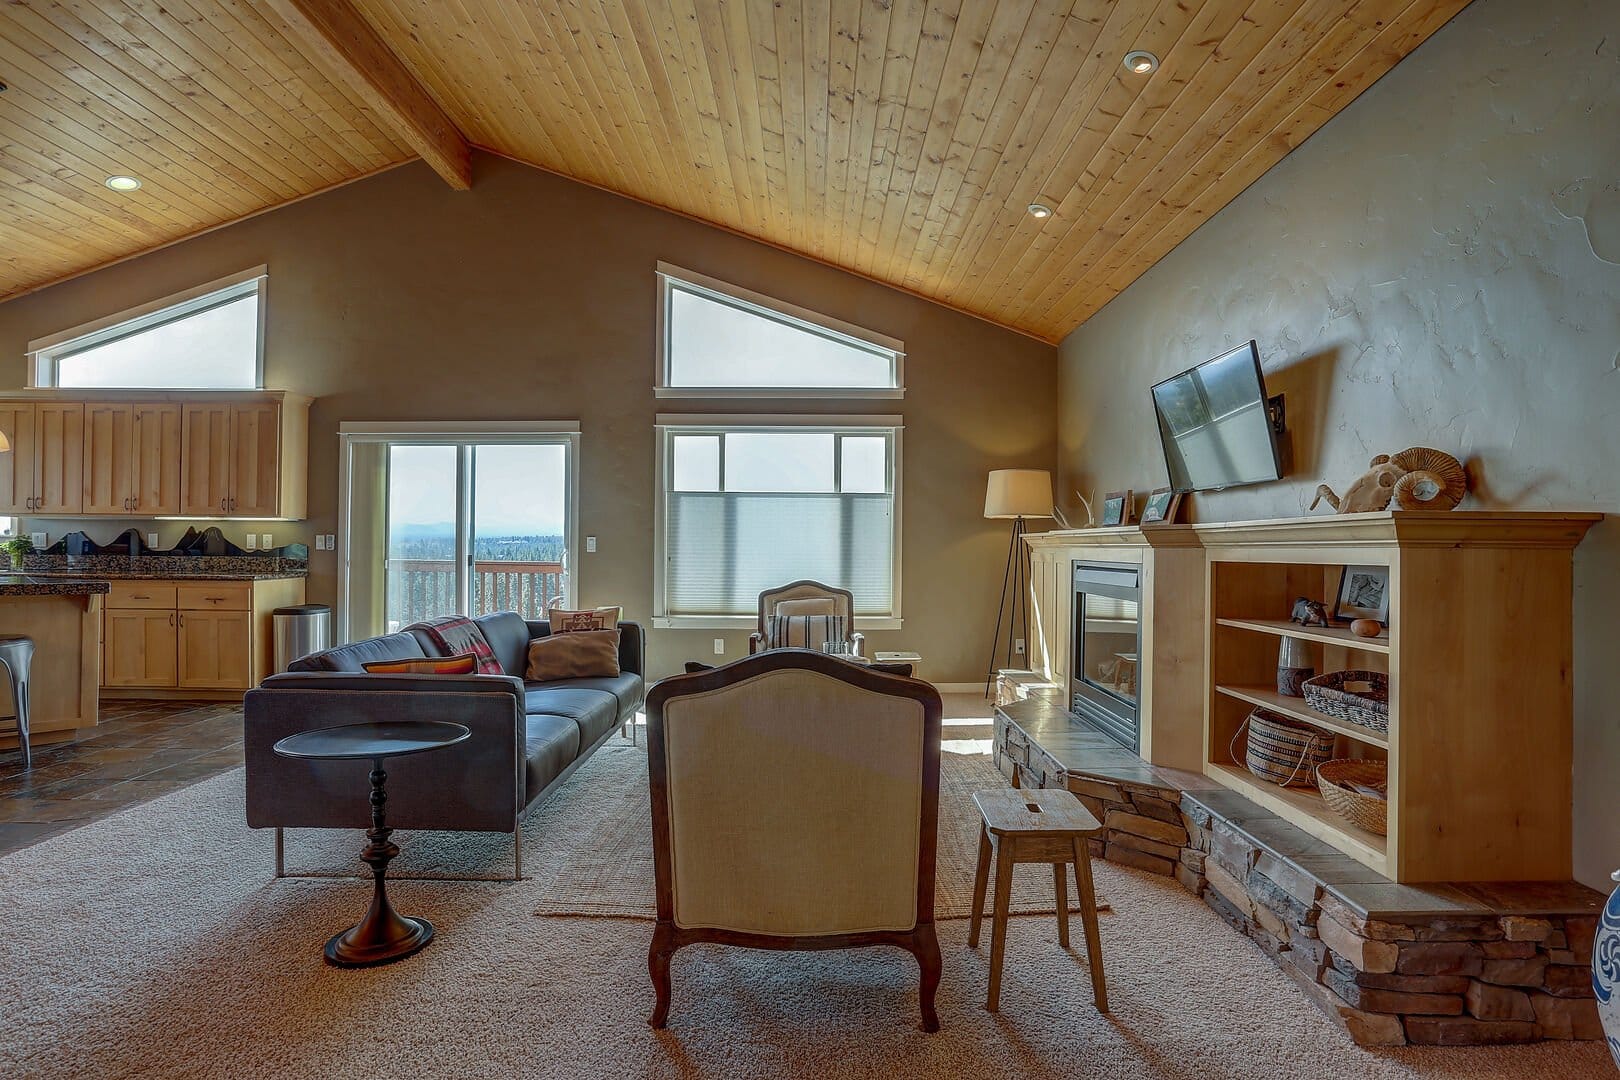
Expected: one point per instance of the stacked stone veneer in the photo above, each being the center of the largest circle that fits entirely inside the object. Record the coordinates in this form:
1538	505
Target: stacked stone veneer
1427	979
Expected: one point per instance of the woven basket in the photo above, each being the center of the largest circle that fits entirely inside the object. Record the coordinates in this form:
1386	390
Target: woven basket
1336	777
1368	708
1283	752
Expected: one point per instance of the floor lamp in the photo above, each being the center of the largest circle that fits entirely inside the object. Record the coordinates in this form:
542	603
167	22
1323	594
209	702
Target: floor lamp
1015	494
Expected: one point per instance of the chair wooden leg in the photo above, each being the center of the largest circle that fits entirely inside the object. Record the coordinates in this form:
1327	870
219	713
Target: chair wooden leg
1060	887
1088	916
925	945
981	879
658	959
998	923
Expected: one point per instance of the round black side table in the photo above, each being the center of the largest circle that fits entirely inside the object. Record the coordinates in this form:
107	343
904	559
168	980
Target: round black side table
384	934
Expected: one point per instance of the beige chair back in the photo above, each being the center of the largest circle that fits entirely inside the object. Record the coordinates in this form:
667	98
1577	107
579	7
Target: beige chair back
806	598
795	795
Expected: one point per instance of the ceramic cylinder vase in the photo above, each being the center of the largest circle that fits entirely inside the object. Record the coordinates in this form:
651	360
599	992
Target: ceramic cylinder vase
1294	665
1606	969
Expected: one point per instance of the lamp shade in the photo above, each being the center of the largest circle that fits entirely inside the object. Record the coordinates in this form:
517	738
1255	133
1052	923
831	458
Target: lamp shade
1014	493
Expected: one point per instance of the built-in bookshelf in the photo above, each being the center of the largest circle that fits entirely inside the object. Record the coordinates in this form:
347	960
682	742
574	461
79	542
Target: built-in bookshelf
1477	653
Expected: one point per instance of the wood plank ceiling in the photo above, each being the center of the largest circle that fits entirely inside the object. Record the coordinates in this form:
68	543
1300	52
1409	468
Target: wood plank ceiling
901	139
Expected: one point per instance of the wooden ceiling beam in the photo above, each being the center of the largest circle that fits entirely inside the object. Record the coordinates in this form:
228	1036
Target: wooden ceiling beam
340	39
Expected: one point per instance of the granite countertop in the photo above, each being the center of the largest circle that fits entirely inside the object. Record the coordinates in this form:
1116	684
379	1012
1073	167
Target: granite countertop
40	585
162	575
166	567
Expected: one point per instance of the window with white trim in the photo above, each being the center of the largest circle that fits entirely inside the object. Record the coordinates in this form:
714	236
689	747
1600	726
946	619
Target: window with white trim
751	503
720	340
207	338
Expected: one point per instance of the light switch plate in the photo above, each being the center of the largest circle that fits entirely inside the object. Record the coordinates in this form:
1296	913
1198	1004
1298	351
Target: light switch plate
41	540
719	646
252	542
590	543
331	541
264	541
152	540
320	541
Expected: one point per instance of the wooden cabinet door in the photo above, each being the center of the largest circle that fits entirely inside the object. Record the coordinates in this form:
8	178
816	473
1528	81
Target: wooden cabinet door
215	650
140	648
17	466
155	461
255	460
108	440
205	451
59	471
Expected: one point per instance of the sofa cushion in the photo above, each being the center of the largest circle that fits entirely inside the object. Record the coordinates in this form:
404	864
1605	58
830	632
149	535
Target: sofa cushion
595	711
508	637
354	656
551	743
465	664
627	690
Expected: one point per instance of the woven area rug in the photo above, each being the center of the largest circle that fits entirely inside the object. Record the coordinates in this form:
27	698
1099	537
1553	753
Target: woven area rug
608	870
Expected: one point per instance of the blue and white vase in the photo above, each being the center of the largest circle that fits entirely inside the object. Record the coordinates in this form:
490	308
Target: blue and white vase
1606	969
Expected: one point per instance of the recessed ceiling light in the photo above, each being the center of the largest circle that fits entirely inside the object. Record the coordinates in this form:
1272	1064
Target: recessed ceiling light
1141	63
1039	210
123	183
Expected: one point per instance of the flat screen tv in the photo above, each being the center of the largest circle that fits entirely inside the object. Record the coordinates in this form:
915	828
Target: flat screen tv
1216	426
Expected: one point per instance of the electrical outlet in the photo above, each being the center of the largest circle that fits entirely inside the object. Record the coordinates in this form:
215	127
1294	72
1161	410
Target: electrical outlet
331	541
252	542
264	541
320	541
719	646
1018	646
41	540
590	543
151	540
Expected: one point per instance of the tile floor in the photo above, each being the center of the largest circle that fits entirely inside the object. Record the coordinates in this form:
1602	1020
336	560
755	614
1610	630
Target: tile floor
140	750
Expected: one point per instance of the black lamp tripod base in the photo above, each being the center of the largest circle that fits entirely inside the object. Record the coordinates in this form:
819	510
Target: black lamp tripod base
1017	576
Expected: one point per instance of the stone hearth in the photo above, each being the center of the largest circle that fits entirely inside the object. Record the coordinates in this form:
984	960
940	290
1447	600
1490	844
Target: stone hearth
1447	964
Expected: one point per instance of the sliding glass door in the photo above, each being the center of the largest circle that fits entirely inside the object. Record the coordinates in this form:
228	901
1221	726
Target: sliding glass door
439	521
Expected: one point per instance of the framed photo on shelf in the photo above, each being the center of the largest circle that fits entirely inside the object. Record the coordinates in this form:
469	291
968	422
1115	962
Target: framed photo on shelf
1363	594
1117	508
1161	506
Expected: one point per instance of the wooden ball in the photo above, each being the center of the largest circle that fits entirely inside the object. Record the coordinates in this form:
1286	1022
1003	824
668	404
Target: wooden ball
1366	628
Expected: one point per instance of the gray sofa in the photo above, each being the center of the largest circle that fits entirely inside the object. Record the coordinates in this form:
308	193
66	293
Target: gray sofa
527	738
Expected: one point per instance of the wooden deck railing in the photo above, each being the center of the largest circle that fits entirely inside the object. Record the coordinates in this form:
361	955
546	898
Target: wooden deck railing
422	588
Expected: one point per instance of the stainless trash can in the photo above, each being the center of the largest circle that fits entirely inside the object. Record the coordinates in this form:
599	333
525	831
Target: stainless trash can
300	630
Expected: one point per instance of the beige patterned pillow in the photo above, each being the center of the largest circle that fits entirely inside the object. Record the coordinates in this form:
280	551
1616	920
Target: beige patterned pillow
573	622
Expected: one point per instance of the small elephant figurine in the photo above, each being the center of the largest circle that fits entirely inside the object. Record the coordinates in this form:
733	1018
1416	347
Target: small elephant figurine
1309	612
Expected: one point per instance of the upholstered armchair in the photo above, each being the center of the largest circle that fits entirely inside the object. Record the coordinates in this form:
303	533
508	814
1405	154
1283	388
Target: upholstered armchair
795	805
806	598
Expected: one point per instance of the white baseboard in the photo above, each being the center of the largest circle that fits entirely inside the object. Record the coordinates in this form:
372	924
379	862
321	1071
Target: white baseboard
960	687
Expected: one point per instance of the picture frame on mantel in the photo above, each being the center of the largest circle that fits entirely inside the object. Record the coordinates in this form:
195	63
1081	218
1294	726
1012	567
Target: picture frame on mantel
1161	507
1117	508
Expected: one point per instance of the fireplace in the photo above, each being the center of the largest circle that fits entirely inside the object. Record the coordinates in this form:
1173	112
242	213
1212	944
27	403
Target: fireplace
1107	641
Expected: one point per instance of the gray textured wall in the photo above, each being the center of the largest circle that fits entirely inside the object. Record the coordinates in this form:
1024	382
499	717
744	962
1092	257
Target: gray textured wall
1439	265
531	296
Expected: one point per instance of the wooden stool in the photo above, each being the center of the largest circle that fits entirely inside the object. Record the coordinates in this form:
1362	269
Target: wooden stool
1046	825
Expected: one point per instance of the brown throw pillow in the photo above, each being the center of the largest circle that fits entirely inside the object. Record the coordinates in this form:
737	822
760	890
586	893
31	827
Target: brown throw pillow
573	622
582	654
465	664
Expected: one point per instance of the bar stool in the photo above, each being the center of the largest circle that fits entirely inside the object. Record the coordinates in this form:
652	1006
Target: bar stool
16	652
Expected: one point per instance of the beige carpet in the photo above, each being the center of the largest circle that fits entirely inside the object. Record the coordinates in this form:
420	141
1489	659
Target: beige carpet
156	944
608	867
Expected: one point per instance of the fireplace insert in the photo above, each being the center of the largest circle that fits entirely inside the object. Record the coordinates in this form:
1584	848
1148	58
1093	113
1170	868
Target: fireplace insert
1107	642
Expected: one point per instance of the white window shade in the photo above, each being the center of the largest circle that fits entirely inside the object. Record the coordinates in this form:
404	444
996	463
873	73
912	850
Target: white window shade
725	549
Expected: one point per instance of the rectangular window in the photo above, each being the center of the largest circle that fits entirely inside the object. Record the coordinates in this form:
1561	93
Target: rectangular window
719	340
207	338
748	504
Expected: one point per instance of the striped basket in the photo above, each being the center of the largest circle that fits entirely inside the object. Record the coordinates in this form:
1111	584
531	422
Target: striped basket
1281	751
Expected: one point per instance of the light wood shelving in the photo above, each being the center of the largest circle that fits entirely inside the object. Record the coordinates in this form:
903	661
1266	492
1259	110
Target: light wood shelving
1324	635
1478	656
1295	709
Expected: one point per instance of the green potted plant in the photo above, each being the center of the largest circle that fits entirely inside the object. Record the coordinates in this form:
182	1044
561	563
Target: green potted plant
18	547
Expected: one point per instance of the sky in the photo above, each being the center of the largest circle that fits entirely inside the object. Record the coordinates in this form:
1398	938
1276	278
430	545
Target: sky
517	490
